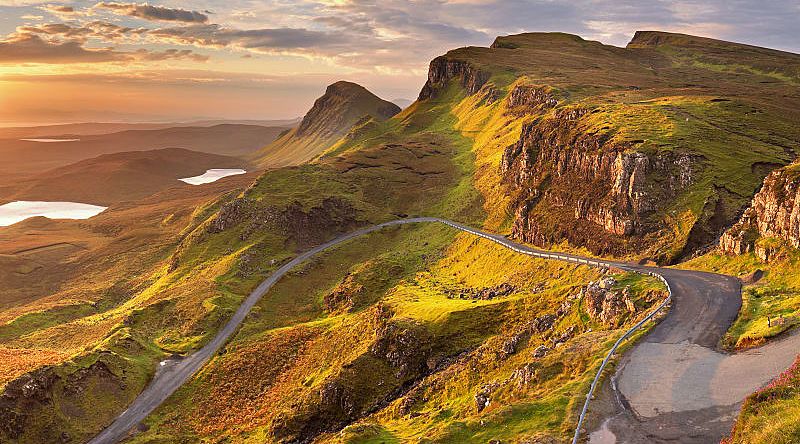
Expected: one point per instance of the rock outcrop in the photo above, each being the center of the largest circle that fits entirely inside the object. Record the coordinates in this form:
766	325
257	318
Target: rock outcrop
608	306
31	404
525	99
305	227
774	213
443	69
585	187
396	359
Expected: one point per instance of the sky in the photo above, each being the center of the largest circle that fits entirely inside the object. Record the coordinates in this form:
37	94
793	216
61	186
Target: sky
78	61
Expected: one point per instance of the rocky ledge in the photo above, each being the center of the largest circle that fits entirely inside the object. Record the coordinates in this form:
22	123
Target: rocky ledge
442	70
774	213
602	190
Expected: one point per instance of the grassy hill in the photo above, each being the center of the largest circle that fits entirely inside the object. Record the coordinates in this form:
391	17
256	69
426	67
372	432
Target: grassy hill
28	158
420	333
343	105
113	178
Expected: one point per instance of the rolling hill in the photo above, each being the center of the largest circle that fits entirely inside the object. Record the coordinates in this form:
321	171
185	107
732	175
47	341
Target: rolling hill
87	129
118	177
25	158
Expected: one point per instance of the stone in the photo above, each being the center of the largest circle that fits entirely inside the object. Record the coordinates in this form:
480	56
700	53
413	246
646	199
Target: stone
773	213
540	351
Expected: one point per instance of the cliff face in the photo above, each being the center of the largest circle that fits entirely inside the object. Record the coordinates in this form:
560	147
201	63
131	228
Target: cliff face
586	188
774	212
638	150
442	70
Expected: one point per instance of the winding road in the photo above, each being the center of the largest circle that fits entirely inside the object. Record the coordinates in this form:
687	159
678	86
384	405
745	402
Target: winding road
672	386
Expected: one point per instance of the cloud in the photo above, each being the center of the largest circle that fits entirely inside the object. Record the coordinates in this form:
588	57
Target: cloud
154	13
32	48
170	54
58	43
103	31
21	2
398	37
266	40
63	12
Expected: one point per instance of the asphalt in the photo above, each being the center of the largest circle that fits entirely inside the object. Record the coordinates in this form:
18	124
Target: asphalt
675	375
676	385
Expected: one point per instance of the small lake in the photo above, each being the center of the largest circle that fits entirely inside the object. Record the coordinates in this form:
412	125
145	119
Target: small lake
212	175
50	140
18	211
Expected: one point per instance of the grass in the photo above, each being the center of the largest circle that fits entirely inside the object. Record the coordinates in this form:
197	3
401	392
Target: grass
335	344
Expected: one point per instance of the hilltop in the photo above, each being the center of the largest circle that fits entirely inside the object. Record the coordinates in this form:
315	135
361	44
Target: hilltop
343	105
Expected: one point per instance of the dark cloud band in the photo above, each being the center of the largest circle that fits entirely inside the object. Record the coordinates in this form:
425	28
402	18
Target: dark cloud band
155	13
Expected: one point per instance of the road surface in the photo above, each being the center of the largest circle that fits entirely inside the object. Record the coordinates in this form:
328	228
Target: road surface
675	370
676	385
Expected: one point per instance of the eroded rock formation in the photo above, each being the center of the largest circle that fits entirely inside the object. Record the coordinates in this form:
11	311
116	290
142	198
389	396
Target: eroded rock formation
583	186
443	69
608	306
774	212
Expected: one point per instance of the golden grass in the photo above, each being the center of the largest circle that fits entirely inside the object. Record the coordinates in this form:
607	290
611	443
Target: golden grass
17	361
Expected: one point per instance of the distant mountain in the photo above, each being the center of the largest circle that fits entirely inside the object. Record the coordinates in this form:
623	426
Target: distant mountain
343	105
118	177
402	103
23	158
92	128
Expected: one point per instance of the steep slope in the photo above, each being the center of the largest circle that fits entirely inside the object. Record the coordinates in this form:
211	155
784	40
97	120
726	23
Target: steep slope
343	105
113	178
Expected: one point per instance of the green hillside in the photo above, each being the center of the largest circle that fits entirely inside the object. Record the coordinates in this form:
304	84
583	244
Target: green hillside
343	105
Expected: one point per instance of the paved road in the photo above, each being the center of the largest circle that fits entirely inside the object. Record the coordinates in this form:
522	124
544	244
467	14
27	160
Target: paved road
676	385
651	381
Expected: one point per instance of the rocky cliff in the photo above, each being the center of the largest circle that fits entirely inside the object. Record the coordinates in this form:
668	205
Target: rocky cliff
625	151
584	186
443	69
774	213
